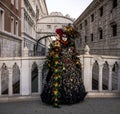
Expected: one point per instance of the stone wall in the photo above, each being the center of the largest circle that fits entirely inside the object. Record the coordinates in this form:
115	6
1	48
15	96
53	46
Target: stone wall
10	46
107	44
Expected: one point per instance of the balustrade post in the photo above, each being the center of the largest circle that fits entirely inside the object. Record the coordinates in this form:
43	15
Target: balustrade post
87	72
110	78
25	88
10	87
39	80
0	83
100	77
119	79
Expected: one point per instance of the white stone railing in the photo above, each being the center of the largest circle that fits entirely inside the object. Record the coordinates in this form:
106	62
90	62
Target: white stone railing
25	67
87	62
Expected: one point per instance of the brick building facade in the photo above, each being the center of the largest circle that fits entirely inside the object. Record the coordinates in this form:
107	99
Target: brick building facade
10	28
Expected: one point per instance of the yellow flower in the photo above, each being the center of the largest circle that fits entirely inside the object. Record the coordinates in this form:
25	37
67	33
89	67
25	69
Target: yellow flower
56	62
57	43
56	70
56	99
49	65
56	55
55	92
56	77
77	62
63	68
56	84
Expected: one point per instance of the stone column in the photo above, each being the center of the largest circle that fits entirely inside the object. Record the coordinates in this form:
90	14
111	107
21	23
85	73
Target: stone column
39	80
0	83
119	79
100	77
10	82
25	86
110	78
25	77
87	72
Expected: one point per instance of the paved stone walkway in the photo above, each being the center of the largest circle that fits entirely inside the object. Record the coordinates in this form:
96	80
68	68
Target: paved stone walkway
89	106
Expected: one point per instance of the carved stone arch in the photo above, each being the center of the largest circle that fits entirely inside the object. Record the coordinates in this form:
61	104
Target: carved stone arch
115	71
34	77
18	65
4	79
93	62
95	75
105	76
36	64
16	79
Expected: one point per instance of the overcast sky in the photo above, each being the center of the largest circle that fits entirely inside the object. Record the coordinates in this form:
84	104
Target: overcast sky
72	7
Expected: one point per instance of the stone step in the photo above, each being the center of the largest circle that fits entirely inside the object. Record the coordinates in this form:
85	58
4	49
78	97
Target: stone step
104	94
37	96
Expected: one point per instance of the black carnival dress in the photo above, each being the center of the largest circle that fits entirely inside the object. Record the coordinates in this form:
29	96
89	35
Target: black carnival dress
62	81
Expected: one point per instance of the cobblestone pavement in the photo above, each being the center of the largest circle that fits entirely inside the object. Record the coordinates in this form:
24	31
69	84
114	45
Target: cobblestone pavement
89	106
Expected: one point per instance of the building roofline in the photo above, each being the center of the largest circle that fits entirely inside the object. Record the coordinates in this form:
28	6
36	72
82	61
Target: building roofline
47	16
46	6
88	10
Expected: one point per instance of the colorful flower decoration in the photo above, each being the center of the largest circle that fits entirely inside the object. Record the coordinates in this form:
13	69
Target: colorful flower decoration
55	92
71	31
57	43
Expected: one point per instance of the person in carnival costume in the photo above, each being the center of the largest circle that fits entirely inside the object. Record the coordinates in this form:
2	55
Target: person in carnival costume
62	80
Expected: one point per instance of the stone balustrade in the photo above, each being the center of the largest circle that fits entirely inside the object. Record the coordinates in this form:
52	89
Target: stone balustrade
24	73
102	68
